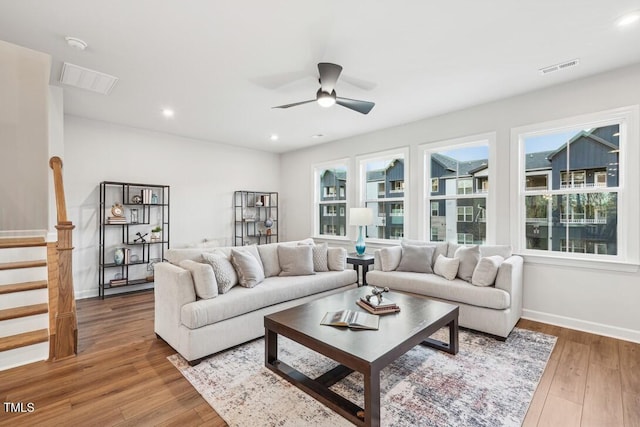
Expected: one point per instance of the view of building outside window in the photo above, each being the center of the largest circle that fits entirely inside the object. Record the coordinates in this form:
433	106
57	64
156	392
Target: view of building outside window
459	183
571	190
384	194
332	201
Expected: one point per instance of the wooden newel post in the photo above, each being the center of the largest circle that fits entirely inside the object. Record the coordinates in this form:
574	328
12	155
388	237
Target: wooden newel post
65	335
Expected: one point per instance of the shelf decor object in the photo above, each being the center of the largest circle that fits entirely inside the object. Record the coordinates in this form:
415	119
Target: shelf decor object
360	217
255	217
127	244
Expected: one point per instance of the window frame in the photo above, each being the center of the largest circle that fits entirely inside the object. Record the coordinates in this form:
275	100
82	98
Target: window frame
361	161
489	139
317	192
628	248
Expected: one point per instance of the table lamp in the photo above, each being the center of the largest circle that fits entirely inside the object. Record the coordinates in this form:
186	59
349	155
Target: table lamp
360	217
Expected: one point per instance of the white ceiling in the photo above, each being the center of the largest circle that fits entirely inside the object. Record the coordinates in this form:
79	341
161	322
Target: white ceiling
222	65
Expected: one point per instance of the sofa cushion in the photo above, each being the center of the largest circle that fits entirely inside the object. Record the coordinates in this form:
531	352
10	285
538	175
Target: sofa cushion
336	259
273	290
446	267
505	251
269	257
295	260
468	257
416	258
319	255
223	269
204	279
390	258
486	271
440	248
249	269
432	285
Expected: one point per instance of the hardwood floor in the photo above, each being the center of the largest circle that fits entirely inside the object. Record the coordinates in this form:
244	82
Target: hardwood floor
122	377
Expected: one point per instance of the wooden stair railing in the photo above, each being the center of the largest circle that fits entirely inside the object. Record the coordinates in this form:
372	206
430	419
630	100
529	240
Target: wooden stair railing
64	330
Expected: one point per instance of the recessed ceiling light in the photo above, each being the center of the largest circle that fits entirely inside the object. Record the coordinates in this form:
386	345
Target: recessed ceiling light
318	135
168	112
273	137
628	19
76	43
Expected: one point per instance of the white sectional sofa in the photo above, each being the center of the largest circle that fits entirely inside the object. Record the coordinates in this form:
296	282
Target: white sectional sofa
486	285
197	320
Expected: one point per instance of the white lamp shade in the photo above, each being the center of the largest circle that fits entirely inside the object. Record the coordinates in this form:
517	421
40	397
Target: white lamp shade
360	216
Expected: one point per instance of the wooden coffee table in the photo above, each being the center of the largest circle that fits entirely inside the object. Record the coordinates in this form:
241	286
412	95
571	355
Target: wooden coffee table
367	352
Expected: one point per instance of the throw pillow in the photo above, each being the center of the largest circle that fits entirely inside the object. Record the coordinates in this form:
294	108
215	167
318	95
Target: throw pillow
486	271
416	259
440	248
295	260
319	253
446	267
223	269
337	259
253	250
469	257
269	257
204	280
390	258
249	270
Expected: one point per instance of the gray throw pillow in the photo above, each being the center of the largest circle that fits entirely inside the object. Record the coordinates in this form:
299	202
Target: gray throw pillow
269	258
295	260
204	279
223	269
390	258
319	253
248	268
469	257
416	259
446	267
336	259
486	271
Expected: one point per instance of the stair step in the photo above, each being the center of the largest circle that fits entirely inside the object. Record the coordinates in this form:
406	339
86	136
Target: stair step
21	287
21	242
27	310
23	340
23	264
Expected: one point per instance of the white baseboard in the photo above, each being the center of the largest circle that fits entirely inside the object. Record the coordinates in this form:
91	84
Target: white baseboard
583	325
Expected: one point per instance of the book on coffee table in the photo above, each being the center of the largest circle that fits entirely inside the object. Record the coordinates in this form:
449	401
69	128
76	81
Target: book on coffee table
350	319
374	302
391	309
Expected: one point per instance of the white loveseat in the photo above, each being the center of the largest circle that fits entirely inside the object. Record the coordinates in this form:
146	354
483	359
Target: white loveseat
197	327
492	305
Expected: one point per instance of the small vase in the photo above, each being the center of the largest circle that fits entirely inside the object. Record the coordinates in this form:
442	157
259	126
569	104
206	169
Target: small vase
118	257
360	246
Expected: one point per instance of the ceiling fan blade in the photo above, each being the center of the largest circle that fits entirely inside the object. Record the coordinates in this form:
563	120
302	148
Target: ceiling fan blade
294	104
329	74
360	106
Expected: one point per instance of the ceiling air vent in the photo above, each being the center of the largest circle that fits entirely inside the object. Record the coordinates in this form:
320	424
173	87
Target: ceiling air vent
558	67
84	78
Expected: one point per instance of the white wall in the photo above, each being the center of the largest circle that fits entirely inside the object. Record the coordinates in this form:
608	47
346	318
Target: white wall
602	301
202	176
24	91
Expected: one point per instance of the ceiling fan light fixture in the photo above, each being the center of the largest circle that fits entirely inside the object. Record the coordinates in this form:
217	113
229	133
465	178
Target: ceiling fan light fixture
325	99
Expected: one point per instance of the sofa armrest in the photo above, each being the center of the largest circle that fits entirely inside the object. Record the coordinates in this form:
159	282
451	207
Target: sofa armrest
510	278
173	288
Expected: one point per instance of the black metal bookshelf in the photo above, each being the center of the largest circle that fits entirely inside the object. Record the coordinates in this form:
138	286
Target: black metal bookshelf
256	219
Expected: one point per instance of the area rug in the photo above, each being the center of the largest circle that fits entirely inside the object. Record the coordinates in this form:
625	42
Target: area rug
488	383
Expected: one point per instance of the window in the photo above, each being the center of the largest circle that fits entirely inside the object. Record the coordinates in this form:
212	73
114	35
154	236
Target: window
435	209
465	239
435	185
330	199
465	186
465	213
383	190
457	210
571	195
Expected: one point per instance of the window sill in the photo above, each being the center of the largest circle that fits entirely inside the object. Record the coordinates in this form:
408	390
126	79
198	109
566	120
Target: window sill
627	267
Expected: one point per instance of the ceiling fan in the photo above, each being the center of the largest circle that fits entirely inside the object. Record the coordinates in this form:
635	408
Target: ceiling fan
326	95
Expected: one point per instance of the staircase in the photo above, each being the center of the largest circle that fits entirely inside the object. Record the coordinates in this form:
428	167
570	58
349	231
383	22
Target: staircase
24	308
